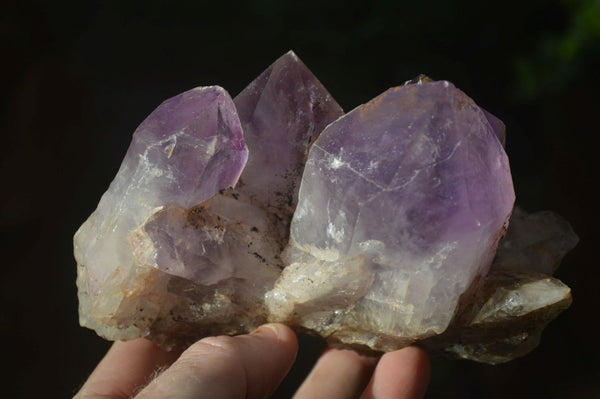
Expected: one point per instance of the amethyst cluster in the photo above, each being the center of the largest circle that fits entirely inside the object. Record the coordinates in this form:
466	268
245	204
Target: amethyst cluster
376	229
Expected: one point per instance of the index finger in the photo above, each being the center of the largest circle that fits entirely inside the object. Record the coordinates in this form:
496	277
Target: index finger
245	367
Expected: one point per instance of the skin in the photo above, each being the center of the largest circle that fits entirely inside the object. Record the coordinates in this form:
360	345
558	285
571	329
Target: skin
252	366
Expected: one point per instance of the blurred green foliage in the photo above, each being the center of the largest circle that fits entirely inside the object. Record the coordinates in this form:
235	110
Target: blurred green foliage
559	57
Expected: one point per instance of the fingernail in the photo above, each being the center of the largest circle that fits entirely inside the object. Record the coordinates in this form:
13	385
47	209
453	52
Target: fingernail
271	329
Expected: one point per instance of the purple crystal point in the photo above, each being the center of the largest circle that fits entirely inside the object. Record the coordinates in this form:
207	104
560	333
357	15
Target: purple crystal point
282	112
416	184
191	147
187	150
497	125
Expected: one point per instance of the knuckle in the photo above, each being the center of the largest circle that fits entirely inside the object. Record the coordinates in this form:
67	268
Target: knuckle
224	345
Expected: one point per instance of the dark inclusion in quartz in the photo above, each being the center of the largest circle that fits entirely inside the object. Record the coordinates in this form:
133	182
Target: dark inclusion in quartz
375	229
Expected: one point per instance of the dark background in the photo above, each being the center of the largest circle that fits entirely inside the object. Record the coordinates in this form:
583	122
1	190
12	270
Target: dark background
79	76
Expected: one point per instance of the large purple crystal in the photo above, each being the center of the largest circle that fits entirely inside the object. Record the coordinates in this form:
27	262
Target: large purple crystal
416	187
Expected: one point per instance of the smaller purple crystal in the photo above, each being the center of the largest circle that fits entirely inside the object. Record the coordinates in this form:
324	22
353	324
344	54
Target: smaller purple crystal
187	150
282	112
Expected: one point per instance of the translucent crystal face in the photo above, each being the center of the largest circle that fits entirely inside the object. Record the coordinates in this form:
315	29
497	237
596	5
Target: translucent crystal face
374	229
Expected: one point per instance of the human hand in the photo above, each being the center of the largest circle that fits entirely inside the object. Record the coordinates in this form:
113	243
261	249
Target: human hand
251	366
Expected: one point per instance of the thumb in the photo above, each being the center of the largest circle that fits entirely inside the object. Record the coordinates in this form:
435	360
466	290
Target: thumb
246	366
